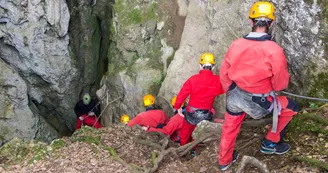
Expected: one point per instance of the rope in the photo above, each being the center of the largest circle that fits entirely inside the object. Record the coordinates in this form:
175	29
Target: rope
105	108
304	97
107	90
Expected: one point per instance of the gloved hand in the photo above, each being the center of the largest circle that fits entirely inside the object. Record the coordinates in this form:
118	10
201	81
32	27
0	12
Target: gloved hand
145	128
91	114
180	112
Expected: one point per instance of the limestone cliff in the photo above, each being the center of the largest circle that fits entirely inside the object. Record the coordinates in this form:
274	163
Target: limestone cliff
301	29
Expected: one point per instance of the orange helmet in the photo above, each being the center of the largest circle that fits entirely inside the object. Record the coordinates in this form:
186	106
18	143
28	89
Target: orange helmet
125	119
148	100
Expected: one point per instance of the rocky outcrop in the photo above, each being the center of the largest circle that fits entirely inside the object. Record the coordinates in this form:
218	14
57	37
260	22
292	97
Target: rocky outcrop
301	28
89	31
144	36
16	117
34	43
208	28
58	49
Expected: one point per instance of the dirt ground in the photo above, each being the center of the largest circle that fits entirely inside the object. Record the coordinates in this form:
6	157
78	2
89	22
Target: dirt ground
115	149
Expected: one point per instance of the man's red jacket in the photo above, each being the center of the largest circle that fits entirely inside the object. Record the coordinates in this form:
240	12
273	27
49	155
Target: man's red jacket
255	66
87	120
202	88
172	128
151	118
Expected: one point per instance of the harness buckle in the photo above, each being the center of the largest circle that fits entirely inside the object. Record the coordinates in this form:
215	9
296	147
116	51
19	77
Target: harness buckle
263	98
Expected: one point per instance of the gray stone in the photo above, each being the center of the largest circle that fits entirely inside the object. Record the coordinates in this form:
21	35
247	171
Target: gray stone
213	25
160	25
138	56
16	117
34	42
57	14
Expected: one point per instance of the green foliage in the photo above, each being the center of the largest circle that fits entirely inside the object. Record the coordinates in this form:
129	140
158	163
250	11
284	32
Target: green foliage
39	153
153	157
130	13
87	134
134	16
94	148
87	139
319	88
111	151
18	150
314	105
58	143
308	123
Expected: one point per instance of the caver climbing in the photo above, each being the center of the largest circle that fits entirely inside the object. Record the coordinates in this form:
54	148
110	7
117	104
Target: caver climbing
152	117
252	70
87	111
202	89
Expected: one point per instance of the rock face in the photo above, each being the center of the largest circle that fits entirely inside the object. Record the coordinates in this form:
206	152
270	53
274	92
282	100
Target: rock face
16	117
34	43
53	50
207	29
144	35
302	31
212	25
89	40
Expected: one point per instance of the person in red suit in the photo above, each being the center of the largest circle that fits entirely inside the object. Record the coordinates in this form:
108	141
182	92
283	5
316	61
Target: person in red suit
87	111
152	117
173	127
202	89
253	69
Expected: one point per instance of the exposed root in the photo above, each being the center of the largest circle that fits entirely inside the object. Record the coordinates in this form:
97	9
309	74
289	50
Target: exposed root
252	160
207	133
183	150
149	143
248	143
256	123
161	156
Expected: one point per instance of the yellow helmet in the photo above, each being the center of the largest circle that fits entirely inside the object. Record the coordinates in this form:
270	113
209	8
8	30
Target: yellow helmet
174	99
207	58
125	119
148	100
262	9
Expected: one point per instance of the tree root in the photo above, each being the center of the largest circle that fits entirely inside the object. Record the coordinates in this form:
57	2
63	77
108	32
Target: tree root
149	143
252	160
256	123
207	134
248	143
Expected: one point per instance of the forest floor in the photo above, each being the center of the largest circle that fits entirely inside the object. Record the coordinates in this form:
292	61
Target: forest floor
116	149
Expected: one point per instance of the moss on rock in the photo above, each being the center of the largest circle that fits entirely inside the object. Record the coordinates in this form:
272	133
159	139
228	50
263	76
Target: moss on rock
18	150
130	12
